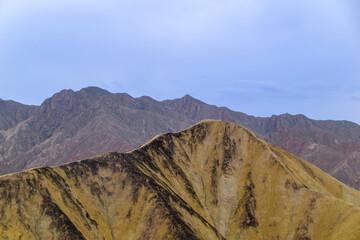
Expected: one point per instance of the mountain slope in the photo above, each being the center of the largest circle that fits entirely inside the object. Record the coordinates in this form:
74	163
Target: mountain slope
11	114
76	125
215	180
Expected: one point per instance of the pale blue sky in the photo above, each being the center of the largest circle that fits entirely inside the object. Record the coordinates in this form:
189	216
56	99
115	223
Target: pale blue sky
261	57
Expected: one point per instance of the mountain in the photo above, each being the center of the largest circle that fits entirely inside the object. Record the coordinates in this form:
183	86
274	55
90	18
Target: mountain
11	114
71	126
334	146
214	180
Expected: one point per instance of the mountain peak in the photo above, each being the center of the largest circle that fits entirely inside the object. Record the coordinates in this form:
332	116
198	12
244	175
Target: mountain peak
188	96
90	93
184	101
94	91
211	124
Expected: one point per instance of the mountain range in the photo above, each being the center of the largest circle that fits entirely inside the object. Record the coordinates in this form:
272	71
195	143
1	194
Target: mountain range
214	180
71	126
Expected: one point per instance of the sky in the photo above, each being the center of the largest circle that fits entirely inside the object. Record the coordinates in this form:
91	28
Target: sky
260	57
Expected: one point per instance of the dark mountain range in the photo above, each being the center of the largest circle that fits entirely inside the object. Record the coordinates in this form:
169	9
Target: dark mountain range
71	126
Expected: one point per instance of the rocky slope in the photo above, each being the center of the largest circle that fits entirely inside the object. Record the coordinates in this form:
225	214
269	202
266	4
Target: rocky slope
11	114
75	125
215	180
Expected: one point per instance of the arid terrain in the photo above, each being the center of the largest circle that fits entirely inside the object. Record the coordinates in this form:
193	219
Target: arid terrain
215	180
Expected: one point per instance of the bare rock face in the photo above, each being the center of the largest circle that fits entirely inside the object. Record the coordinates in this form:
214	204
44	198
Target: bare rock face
71	126
13	113
214	180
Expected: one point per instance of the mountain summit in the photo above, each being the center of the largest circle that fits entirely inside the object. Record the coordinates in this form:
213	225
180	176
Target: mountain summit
214	180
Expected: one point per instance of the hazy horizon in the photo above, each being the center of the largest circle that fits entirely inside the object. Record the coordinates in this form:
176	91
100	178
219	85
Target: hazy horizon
258	57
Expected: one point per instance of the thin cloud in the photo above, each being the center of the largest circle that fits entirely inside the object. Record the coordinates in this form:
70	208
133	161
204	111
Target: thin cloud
256	87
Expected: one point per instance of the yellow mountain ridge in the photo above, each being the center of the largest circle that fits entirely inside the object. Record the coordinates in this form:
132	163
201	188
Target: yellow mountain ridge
214	180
